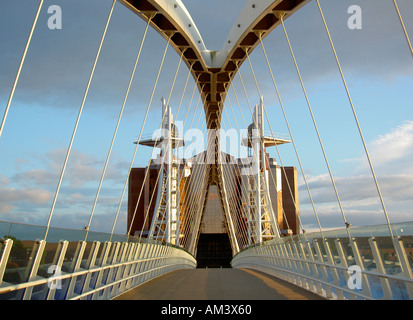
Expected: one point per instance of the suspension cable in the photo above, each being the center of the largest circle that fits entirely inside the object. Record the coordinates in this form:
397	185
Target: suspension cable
272	134
78	119
275	184
356	119
229	182
197	184
291	135
277	149
239	107
144	181
403	26
164	156
192	204
116	129
153	193
20	67
279	155
246	95
315	124
244	190
147	171
182	97
275	226
153	150
140	134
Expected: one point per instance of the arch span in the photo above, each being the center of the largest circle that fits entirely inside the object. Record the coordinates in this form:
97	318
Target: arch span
213	71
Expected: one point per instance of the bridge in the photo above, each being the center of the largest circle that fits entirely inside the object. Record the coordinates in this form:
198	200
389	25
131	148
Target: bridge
205	219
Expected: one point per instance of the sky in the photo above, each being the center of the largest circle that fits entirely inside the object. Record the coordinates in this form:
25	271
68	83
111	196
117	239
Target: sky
375	59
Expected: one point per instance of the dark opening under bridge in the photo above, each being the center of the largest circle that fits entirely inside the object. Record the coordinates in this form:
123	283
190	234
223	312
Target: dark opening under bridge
268	258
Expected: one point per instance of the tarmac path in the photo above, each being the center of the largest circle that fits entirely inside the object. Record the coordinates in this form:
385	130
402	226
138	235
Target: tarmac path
217	284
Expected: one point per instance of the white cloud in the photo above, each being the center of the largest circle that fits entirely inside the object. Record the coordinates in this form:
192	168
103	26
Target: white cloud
82	168
390	152
31	198
26	197
394	147
392	156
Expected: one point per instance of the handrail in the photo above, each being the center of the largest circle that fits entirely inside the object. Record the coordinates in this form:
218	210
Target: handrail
122	267
302	263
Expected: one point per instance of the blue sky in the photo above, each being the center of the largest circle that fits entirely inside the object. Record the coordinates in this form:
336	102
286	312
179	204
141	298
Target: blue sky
376	61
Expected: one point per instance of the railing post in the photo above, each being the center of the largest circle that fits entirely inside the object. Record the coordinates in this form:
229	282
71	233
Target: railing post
90	263
7	245
156	260
300	264
294	264
152	261
101	262
307	271
161	260
91	260
281	262
58	262
112	260
273	253
137	265
119	272
359	261
284	262
75	266
404	263
333	270
33	267
145	264
324	273
343	262
127	270
315	269
380	269
266	255
270	255
142	265
161	255
290	267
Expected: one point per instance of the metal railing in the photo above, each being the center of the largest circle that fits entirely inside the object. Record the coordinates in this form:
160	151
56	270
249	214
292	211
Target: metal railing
36	270
337	266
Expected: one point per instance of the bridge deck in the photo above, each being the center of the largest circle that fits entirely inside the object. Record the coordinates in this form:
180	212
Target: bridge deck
217	284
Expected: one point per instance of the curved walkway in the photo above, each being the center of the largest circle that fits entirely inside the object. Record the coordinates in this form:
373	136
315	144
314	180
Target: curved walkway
217	284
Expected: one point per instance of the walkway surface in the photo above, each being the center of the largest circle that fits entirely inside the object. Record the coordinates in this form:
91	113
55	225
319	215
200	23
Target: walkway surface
217	284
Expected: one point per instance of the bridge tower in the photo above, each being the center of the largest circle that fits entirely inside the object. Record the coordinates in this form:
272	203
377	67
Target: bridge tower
165	221
262	220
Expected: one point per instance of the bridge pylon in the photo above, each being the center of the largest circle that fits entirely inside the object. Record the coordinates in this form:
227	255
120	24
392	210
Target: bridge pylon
165	221
262	221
